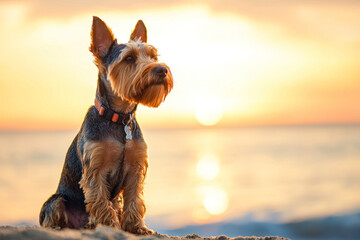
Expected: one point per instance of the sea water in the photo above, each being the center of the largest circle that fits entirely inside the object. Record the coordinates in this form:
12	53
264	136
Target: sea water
205	175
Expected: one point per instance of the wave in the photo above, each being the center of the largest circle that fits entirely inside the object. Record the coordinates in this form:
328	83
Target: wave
332	227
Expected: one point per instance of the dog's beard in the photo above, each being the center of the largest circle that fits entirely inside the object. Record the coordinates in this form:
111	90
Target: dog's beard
153	95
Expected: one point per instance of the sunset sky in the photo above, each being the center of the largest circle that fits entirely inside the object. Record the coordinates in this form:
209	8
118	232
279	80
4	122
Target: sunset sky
251	62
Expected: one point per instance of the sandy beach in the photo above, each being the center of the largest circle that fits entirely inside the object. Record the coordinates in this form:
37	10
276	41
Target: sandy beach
102	232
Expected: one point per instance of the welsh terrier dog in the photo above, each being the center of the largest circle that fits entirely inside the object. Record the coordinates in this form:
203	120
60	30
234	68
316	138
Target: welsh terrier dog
105	167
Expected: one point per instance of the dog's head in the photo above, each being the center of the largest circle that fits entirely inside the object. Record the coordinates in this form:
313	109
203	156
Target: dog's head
131	71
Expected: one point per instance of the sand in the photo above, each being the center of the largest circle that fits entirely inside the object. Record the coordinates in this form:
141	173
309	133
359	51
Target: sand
102	232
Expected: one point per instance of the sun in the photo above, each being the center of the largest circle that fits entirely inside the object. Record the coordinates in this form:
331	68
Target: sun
209	110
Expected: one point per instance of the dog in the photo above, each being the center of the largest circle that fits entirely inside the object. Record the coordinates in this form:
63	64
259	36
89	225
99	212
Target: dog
105	166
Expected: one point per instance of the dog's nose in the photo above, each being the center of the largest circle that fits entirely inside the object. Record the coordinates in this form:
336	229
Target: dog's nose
161	71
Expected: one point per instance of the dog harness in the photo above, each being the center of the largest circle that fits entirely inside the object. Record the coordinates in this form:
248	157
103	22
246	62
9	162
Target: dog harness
125	119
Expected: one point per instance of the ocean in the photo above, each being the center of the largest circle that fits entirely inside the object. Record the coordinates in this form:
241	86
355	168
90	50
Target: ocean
294	181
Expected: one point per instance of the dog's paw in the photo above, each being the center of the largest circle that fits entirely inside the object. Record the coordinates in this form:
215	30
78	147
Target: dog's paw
138	229
115	224
94	224
91	224
143	231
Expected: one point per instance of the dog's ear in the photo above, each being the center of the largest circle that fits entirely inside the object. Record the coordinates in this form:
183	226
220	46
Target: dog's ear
101	38
139	32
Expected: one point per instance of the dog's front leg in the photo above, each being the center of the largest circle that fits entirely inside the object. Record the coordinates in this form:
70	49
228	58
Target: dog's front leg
97	162
134	207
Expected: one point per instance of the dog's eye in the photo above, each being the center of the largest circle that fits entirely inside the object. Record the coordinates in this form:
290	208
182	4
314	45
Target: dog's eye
154	58
130	59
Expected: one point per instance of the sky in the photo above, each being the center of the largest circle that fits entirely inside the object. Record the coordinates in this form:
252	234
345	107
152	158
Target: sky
234	63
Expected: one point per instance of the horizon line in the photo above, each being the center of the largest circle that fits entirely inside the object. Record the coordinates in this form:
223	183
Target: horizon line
198	126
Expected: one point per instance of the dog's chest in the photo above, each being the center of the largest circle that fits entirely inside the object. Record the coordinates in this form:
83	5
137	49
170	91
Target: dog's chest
111	155
123	162
117	159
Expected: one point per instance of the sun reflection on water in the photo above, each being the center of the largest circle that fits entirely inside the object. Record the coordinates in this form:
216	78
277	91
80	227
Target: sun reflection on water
208	167
214	198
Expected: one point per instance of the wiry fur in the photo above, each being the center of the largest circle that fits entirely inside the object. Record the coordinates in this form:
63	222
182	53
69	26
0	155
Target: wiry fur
103	174
99	162
135	82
